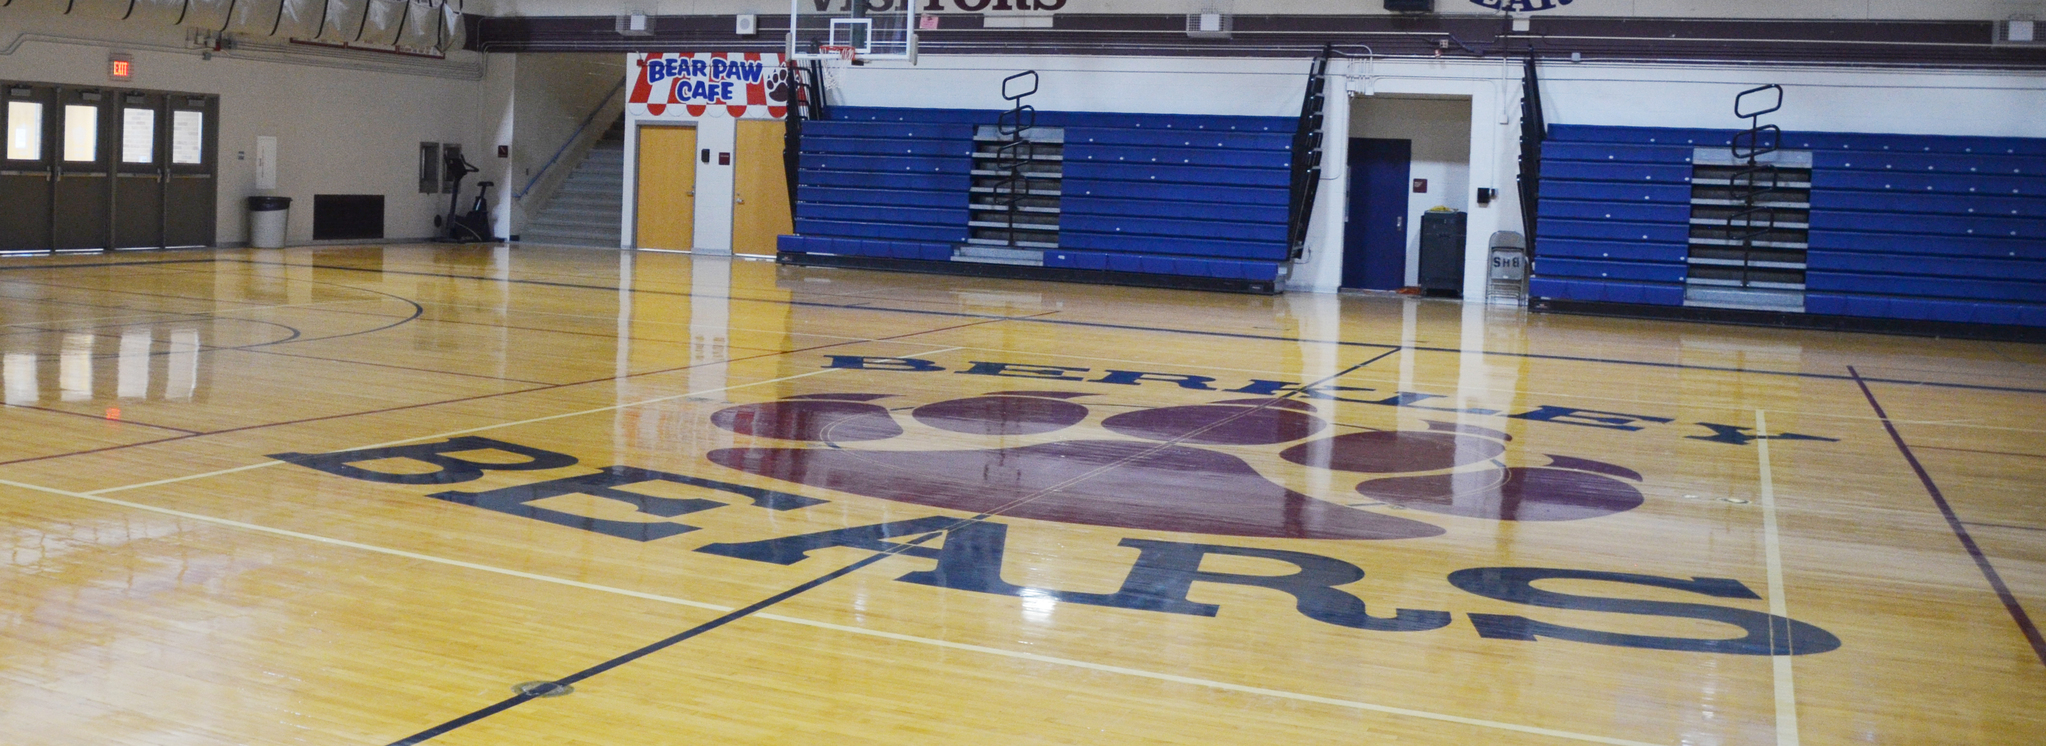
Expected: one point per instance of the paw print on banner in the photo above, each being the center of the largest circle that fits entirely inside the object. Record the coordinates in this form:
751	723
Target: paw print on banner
1163	479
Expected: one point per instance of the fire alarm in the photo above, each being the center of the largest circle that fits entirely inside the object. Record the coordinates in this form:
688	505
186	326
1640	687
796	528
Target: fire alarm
120	67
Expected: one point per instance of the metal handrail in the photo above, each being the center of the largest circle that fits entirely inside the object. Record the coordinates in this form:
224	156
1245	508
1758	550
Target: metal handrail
1745	185
528	188
806	102
1307	151
1010	156
1534	128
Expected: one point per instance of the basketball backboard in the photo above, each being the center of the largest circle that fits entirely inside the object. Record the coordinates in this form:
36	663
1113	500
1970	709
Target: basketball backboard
874	29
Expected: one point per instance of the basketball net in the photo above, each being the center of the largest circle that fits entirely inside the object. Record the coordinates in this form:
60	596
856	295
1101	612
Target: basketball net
845	54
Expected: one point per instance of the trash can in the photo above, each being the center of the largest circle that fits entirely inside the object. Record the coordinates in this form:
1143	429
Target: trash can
267	218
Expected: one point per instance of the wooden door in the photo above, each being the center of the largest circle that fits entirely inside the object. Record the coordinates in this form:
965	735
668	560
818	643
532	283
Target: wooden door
760	188
665	213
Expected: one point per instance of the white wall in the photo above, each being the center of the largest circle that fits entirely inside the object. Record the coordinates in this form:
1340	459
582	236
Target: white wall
1161	85
1440	130
346	123
1922	102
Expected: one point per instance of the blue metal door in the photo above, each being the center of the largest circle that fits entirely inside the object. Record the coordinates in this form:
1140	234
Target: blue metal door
1375	235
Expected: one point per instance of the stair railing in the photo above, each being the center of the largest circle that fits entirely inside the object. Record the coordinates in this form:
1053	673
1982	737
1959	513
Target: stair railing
1012	154
1534	128
1755	181
1307	149
573	138
805	96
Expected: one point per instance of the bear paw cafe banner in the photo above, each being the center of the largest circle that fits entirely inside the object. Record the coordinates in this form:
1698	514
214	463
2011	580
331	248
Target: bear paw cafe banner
744	85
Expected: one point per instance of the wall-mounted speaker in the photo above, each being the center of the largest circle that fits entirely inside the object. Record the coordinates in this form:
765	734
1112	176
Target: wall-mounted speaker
1410	6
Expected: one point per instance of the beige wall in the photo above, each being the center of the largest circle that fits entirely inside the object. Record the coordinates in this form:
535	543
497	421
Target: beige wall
346	122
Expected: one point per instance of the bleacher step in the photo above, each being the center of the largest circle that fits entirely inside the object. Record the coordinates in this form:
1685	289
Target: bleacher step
999	243
1749	299
998	255
1709	181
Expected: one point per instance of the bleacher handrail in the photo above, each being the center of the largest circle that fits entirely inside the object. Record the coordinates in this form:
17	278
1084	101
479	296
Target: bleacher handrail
1307	151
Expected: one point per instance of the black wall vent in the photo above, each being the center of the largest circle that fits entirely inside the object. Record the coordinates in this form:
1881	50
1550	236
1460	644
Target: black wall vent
348	216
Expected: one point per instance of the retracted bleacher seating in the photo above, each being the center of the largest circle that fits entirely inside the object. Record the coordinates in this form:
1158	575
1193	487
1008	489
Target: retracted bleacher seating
884	188
1904	227
1149	199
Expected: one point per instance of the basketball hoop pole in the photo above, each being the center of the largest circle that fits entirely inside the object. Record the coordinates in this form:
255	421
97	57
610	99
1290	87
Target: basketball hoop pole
793	10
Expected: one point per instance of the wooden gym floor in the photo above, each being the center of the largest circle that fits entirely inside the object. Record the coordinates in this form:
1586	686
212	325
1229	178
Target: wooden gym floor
357	495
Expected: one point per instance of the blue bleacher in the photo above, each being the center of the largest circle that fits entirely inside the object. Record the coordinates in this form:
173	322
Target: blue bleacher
1934	228
1190	195
884	182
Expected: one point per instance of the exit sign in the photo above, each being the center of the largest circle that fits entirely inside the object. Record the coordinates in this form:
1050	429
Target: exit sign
119	67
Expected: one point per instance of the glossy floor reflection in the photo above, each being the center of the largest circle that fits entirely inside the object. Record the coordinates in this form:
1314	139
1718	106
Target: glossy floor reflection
355	495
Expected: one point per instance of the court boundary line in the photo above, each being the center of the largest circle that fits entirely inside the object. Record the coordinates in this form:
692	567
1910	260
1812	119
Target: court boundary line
1954	523
1129	327
1772	551
1166	330
465	431
896	636
2004	525
1978	450
548	387
90	416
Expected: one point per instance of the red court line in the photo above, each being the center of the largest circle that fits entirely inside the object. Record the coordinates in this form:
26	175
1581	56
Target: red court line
1977	450
2010	601
102	419
506	393
319	308
395	367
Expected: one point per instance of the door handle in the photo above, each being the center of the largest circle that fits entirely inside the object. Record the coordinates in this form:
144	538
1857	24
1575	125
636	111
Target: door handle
692	192
738	199
1399	223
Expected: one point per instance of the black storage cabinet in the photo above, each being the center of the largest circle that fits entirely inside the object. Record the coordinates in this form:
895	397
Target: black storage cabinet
1442	236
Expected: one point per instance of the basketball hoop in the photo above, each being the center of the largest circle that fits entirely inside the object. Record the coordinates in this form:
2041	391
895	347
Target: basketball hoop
845	52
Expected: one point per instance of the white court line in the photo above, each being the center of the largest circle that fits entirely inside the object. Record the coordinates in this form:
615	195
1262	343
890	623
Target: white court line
1772	549
1211	684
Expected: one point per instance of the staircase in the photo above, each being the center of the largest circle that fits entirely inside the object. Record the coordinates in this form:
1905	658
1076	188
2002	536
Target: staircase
585	211
1750	216
1018	170
1750	228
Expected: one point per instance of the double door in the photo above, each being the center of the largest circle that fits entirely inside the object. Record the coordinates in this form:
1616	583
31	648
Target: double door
89	169
673	161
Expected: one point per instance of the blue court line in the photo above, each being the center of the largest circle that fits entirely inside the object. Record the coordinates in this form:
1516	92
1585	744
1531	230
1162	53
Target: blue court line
1127	327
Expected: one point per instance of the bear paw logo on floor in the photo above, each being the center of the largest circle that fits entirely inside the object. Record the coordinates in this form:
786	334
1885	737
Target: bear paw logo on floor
1163	478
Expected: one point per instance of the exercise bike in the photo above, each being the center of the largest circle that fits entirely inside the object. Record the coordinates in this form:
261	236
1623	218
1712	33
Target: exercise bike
456	227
